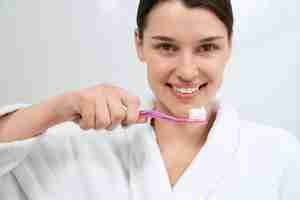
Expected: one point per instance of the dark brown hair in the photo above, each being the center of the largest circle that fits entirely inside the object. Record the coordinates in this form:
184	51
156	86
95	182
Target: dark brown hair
221	8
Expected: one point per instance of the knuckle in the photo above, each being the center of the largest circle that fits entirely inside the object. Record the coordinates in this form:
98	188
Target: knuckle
131	119
84	99
111	127
118	117
105	87
106	124
136	100
83	126
99	126
89	98
88	95
102	124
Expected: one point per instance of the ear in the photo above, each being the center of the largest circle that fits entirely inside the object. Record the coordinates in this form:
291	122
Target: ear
139	46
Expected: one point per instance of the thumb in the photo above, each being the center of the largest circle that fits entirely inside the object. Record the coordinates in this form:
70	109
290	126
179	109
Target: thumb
142	119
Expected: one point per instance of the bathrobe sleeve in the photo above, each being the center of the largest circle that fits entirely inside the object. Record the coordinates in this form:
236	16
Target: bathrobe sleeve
290	182
12	153
53	166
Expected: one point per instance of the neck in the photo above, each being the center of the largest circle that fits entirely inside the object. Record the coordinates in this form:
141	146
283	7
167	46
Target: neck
171	135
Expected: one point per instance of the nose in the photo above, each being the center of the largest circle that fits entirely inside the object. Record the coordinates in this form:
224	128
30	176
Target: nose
187	69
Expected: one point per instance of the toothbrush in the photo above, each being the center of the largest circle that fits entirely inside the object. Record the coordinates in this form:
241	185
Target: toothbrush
195	116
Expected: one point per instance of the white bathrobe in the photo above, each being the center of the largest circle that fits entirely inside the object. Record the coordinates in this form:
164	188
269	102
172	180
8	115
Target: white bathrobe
240	161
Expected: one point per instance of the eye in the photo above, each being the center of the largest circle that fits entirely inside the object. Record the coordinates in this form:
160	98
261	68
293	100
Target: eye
166	47
207	48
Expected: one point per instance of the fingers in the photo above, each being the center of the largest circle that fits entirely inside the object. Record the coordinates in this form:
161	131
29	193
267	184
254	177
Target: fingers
142	119
103	108
132	104
116	110
88	118
102	115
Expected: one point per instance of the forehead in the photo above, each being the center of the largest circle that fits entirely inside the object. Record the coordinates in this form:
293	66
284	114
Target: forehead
172	18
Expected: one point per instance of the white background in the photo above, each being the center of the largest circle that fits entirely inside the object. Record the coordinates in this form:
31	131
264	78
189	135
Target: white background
48	47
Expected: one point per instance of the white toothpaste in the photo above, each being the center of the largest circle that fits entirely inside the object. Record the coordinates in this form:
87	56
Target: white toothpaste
198	113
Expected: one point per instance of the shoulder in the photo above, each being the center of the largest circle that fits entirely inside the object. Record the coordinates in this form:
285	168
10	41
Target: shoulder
267	140
266	151
257	135
265	133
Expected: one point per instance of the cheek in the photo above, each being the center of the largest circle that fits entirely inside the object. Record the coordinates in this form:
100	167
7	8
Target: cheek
217	78
158	72
158	68
213	69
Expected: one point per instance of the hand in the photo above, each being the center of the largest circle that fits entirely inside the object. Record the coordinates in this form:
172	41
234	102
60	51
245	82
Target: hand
99	107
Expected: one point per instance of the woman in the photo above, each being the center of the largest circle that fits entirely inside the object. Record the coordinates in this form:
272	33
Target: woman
186	45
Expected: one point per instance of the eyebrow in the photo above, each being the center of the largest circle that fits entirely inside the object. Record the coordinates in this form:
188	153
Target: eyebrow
168	39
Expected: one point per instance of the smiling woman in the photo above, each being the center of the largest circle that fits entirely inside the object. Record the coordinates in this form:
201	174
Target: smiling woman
186	45
184	48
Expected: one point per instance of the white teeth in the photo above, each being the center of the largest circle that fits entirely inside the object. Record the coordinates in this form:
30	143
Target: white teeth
186	90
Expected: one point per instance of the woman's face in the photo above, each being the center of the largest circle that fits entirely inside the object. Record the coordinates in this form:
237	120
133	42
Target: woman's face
186	51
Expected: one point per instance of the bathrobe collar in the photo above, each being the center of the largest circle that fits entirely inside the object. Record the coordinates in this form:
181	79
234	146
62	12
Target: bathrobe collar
148	175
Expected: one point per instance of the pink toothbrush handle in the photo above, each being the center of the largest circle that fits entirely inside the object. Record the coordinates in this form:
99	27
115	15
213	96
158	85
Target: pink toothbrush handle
157	114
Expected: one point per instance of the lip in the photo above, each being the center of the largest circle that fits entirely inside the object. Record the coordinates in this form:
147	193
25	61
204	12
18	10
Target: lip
185	85
186	96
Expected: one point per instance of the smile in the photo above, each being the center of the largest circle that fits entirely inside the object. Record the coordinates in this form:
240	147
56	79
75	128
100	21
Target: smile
186	92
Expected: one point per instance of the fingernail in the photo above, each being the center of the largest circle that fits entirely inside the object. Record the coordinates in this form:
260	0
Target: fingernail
142	119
